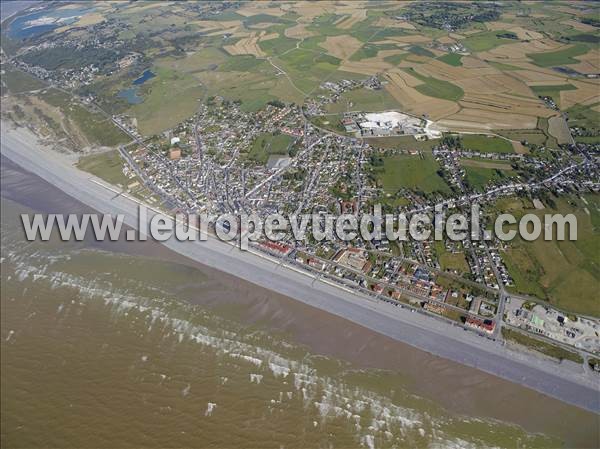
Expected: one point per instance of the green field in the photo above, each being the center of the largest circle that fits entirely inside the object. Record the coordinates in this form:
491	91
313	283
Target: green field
370	51
420	51
566	273
451	261
96	127
203	59
486	41
267	144
541	346
17	81
418	173
584	116
363	99
278	45
560	57
588	139
169	98
436	88
396	59
478	177
453	59
107	166
402	143
485	144
533	136
331	122
552	91
502	66
307	68
542	124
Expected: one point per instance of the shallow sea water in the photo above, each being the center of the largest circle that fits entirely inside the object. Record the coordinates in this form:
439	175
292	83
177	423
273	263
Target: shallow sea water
99	350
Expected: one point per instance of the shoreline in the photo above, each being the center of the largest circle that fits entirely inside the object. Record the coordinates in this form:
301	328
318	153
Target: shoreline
422	332
460	390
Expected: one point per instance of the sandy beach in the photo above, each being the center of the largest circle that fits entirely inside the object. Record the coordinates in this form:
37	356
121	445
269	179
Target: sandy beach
565	382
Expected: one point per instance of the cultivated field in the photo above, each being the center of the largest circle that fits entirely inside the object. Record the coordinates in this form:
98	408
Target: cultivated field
247	45
484	76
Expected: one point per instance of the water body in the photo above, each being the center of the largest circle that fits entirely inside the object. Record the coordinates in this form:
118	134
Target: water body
36	23
114	345
145	77
131	94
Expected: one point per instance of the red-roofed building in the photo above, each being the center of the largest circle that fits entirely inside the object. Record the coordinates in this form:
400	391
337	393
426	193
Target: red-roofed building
484	325
277	248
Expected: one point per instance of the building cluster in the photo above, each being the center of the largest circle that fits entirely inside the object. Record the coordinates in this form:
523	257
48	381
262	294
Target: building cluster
377	124
331	92
579	332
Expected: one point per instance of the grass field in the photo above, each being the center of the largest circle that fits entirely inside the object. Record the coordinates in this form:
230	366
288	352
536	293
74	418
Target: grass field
169	98
503	66
331	122
485	144
485	41
107	166
420	51
278	45
560	57
451	261
584	116
436	88
552	91
541	346
566	273
402	143
478	177
364	100
17	81
453	59
306	68
412	172
542	124
370	51
267	144
95	127
534	136
396	59
587	139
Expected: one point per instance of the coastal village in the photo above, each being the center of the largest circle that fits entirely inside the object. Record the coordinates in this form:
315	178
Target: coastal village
347	223
212	163
300	159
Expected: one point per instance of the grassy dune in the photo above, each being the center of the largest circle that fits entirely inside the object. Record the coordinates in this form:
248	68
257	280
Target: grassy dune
567	273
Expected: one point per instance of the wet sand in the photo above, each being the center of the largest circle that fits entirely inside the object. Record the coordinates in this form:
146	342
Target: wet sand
458	388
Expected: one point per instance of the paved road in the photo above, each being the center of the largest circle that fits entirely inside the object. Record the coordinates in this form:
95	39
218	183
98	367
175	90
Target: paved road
569	383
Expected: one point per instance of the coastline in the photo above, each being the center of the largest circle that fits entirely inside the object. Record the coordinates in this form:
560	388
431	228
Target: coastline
422	332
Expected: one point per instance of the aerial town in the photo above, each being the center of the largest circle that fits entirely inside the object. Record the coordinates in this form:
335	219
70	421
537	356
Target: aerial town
300	159
482	117
223	160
